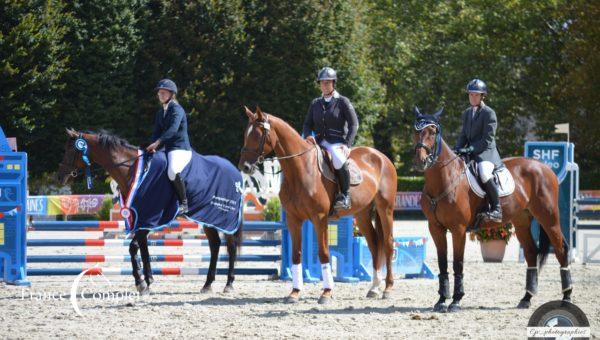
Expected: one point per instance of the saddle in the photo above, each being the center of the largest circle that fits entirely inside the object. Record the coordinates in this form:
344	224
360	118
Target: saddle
326	167
502	177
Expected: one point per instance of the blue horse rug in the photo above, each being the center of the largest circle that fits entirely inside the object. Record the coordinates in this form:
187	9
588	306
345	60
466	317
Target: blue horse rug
214	190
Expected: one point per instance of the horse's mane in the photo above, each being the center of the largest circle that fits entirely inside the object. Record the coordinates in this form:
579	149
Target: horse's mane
286	125
111	141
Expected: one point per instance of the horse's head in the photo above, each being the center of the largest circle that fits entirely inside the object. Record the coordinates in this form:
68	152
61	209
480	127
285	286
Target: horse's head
72	159
258	141
427	139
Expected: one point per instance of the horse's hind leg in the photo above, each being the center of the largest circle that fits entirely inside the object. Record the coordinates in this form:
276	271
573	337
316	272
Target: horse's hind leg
214	242
365	225
384	223
232	252
549	218
522	225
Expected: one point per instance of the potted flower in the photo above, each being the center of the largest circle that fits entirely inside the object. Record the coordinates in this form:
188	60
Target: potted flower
493	241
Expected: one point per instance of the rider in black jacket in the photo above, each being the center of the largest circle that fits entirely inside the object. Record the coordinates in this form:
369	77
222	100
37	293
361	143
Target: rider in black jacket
333	120
478	139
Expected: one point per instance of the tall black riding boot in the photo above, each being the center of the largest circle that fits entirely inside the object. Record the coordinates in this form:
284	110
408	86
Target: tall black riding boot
342	201
495	212
179	186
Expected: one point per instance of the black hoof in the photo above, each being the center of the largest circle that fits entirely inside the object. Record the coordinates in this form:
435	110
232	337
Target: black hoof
440	307
324	300
206	290
372	294
454	307
228	289
524	304
291	299
386	295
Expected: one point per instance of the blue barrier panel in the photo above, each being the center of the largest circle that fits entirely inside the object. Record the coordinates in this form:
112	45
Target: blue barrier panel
340	235
408	258
13	208
340	248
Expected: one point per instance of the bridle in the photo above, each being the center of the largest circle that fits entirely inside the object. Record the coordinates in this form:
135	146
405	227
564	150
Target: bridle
433	153
260	150
81	145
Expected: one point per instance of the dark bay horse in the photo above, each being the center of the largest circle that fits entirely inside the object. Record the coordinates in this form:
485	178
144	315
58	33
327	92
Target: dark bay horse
118	158
449	204
307	195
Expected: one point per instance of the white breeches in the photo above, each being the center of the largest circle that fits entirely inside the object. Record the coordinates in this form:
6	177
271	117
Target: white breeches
337	153
486	170
177	160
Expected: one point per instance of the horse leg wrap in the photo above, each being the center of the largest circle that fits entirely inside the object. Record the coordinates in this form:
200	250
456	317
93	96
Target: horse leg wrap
565	279
531	283
136	264
444	286
327	276
297	281
459	290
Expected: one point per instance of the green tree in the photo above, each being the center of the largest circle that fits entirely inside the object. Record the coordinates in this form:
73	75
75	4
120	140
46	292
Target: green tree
32	67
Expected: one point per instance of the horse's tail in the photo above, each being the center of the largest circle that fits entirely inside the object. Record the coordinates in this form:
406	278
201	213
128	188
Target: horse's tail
543	248
380	241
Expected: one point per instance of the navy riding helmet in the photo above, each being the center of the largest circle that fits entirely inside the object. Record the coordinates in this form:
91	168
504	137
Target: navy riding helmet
477	86
166	84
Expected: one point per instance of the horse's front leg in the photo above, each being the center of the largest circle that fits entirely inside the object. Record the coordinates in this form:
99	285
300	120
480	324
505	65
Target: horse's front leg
323	244
144	251
136	266
294	225
459	237
438	233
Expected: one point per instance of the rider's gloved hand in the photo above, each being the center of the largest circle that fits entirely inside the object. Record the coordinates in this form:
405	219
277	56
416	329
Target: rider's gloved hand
464	151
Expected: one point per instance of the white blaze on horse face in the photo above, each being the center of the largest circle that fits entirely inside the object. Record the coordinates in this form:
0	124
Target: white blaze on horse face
249	130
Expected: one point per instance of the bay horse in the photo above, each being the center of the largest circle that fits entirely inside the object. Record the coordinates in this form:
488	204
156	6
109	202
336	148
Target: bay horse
449	204
117	157
307	195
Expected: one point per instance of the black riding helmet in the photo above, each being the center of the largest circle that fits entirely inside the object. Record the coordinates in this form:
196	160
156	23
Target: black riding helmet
327	73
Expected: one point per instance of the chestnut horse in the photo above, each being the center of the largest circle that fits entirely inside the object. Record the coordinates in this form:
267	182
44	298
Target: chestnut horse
118	158
449	204
307	195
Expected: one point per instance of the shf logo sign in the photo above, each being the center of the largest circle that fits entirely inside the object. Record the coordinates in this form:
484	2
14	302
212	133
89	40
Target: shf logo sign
554	154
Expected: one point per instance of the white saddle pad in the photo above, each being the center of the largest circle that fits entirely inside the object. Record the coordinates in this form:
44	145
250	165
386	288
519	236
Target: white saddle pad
506	183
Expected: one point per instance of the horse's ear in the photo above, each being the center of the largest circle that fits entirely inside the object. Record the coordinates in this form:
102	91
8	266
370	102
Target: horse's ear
260	114
438	114
250	114
71	132
417	112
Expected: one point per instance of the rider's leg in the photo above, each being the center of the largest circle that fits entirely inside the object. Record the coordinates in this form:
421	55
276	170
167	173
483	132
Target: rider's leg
177	160
340	164
486	170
